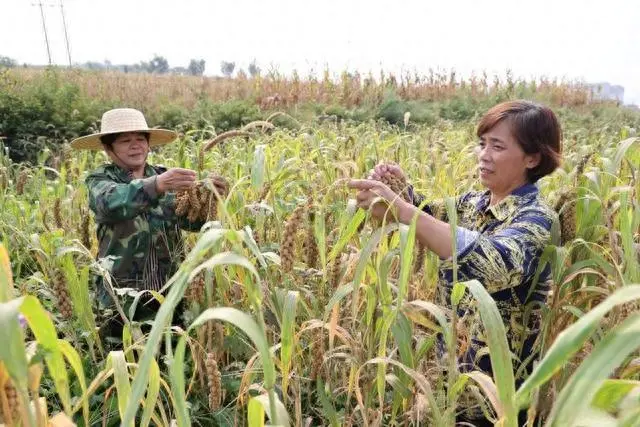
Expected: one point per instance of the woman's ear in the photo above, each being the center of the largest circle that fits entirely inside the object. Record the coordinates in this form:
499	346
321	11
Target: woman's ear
109	151
533	160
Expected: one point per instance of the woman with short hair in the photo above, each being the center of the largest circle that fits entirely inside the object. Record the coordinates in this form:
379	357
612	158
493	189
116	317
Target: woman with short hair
501	232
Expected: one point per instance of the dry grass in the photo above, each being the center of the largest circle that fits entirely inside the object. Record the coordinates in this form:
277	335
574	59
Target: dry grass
277	91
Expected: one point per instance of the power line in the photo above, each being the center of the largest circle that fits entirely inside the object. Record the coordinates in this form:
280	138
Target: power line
66	36
64	25
44	28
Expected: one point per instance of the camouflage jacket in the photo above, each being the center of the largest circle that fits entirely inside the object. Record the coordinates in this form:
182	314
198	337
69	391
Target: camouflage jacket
503	253
131	217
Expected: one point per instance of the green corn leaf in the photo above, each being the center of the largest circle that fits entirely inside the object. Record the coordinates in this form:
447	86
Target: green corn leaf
338	296
153	392
245	323
612	392
176	371
571	340
498	350
257	171
407	245
577	395
75	362
42	327
12	351
326	401
118	363
287	336
277	414
348	233
6	276
255	413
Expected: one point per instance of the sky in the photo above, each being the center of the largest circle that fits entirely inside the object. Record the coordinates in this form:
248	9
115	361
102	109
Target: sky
590	41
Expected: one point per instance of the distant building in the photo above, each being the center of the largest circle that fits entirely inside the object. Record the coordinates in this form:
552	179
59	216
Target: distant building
607	91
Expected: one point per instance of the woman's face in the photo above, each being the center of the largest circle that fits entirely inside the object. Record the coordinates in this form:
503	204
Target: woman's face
131	149
502	162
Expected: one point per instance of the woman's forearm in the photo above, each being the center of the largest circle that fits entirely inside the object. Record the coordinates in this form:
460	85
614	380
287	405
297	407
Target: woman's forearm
432	233
112	201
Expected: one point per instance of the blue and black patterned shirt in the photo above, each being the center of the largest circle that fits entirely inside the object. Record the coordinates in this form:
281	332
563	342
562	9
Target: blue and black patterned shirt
501	247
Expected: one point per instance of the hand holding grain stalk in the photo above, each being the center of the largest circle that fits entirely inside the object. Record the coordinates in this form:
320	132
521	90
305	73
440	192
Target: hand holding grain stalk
393	177
220	183
178	179
386	183
175	179
378	197
387	171
200	201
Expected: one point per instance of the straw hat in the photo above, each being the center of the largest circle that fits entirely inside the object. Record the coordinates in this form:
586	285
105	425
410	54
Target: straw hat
123	120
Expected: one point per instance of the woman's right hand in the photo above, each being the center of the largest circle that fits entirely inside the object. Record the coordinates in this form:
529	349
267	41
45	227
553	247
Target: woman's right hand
385	169
377	197
175	179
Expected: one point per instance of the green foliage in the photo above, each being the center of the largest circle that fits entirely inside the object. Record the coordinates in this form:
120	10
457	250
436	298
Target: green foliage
463	108
42	115
349	339
173	117
393	110
51	111
300	345
52	108
233	114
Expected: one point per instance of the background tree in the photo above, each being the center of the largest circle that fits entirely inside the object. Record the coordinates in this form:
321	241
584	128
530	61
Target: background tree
7	62
254	70
227	68
196	67
159	65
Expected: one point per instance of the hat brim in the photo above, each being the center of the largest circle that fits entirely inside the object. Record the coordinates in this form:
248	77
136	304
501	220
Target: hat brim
156	137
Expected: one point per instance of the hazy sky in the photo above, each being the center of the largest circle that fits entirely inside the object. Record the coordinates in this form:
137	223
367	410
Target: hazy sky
575	39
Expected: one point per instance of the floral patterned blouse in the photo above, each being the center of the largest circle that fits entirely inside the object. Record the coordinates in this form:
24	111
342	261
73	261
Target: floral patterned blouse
500	246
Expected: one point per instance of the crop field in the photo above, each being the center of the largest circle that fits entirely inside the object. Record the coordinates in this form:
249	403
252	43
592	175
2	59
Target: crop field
300	310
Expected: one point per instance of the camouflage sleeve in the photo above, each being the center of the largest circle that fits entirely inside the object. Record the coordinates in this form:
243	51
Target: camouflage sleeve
509	257
112	201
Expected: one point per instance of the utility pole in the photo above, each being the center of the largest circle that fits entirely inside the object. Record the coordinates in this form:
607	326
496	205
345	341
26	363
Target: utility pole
66	36
44	28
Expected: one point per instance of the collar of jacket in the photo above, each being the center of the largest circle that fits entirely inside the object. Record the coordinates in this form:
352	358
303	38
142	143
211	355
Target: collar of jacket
127	176
510	204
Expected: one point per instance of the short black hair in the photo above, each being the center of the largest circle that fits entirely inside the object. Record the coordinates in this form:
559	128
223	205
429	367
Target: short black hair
110	138
535	127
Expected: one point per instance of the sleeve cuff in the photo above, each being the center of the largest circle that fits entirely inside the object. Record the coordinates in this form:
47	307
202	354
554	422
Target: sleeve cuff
417	199
465	240
149	187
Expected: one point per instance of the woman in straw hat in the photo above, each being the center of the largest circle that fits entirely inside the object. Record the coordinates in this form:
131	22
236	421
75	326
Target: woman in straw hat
139	234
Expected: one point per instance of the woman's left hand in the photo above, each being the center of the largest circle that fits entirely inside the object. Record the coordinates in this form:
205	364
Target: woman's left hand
377	196
220	183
